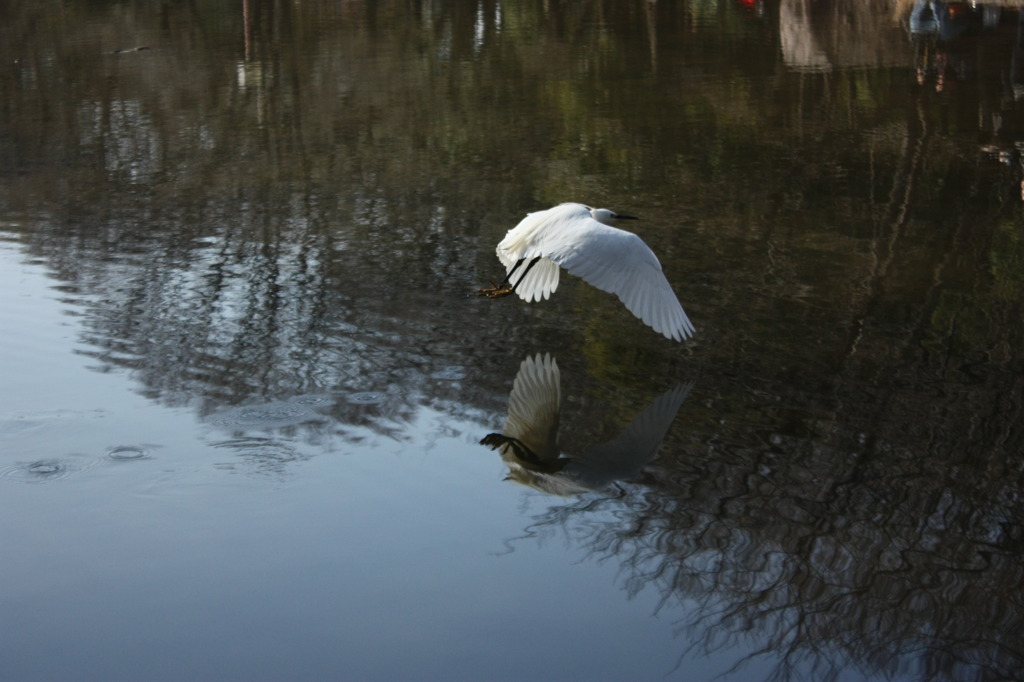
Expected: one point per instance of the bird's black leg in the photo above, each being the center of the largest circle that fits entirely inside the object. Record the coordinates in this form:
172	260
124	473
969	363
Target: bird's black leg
515	267
525	272
506	287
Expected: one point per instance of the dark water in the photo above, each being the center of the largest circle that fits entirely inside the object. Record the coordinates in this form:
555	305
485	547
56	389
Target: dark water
246	374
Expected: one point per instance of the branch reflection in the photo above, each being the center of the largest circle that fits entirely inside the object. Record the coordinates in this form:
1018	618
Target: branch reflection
820	555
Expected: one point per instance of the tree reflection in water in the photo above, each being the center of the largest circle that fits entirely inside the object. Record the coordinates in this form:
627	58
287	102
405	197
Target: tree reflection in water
829	552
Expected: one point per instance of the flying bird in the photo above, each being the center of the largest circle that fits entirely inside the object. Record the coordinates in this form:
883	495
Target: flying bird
582	240
529	445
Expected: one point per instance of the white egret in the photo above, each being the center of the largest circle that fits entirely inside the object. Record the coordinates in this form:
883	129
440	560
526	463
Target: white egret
582	240
529	445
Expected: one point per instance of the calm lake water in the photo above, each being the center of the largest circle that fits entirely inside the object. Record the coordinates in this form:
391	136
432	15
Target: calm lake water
246	374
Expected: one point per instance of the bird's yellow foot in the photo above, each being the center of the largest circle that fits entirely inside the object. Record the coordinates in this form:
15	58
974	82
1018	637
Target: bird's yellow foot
494	291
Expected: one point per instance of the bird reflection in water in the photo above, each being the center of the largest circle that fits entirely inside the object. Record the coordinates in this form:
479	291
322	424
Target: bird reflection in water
529	440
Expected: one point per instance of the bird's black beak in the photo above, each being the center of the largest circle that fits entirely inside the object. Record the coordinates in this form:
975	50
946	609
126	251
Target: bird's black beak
622	216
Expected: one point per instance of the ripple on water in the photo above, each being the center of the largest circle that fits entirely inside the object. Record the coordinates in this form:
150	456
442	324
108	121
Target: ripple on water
260	455
312	400
127	453
46	470
366	398
270	415
26	422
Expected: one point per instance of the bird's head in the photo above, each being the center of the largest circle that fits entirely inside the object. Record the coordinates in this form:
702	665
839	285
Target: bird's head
608	216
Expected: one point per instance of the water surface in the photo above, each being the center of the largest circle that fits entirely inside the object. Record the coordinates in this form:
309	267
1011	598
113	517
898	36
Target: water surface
246	373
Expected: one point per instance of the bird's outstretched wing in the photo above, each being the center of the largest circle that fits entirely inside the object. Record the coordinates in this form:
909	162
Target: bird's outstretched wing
533	406
625	456
610	259
620	263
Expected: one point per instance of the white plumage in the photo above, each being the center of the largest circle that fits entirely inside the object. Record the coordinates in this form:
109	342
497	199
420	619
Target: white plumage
580	239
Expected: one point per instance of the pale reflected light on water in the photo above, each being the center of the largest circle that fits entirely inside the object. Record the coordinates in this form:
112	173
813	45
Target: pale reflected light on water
247	378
